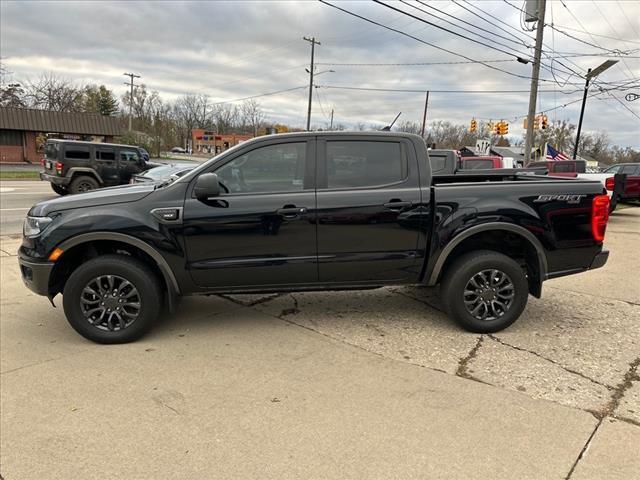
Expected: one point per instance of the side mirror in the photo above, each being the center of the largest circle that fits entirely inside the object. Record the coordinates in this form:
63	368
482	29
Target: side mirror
207	185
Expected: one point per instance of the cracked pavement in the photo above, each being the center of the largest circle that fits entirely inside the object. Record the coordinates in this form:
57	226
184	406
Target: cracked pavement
377	383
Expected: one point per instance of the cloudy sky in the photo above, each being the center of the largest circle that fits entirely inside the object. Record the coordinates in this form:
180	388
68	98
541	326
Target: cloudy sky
231	50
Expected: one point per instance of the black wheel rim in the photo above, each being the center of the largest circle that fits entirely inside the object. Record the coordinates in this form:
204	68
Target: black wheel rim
489	294
110	303
85	186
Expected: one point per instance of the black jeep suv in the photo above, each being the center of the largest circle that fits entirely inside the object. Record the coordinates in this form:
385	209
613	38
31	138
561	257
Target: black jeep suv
75	167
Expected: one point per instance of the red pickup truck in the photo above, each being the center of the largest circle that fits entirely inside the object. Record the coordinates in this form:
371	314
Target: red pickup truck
631	189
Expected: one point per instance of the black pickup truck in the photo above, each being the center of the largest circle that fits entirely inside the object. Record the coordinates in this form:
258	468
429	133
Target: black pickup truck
312	211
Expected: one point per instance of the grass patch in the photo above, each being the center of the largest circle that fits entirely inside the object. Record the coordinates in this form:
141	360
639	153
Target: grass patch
19	175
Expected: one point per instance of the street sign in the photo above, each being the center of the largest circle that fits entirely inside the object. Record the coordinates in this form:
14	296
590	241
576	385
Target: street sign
483	147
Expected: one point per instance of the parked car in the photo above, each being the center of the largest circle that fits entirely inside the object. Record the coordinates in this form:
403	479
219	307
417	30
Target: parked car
312	211
178	150
75	167
631	169
163	172
631	189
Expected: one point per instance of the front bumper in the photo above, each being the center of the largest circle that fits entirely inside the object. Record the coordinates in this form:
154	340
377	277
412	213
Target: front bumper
600	259
35	274
64	181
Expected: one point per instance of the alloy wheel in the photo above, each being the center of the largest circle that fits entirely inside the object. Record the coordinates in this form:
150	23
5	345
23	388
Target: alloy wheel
110	302
489	294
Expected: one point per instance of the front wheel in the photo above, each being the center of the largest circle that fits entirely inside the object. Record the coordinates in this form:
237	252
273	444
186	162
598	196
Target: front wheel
485	291
112	299
58	189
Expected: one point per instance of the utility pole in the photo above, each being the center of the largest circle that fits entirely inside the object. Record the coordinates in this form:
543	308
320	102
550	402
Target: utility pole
331	125
533	95
313	42
131	76
424	116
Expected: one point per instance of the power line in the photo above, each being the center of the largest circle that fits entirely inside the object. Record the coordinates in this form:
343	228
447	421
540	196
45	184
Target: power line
487	14
564	27
430	44
493	34
414	64
407	90
446	29
260	95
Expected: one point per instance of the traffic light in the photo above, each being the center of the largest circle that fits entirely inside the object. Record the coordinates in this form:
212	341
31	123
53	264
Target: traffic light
474	125
544	122
501	128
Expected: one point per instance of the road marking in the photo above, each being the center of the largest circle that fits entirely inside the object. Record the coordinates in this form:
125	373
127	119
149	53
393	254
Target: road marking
6	189
13	209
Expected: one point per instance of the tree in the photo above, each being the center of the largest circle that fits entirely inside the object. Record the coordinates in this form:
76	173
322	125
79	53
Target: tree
100	100
12	95
252	116
49	92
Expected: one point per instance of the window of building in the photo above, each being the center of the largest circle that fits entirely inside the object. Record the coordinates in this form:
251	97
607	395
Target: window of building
11	137
274	168
356	164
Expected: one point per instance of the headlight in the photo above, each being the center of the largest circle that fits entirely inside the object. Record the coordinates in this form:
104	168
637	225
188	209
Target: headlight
34	226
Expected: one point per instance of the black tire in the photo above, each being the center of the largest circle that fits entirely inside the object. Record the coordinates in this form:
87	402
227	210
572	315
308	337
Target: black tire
78	302
83	183
461	297
58	189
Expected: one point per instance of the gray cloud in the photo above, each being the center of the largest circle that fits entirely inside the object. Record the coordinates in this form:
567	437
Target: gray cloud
234	49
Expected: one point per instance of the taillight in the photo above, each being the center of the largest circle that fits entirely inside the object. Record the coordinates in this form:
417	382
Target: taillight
59	168
599	216
609	183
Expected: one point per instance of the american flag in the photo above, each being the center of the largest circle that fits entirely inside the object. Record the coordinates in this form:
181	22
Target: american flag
553	154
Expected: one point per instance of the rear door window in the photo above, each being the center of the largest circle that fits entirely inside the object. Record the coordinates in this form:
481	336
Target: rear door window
77	152
105	155
361	164
628	169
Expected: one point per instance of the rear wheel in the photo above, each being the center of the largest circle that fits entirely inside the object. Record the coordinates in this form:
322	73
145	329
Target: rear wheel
112	299
83	183
485	291
59	189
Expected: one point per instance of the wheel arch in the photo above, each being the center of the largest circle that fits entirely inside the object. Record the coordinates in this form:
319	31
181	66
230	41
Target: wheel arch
90	240
536	266
77	171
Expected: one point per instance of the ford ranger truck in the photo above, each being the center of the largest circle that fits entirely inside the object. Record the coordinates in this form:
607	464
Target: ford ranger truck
312	211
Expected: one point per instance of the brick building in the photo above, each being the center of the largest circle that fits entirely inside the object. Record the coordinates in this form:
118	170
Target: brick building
204	141
23	131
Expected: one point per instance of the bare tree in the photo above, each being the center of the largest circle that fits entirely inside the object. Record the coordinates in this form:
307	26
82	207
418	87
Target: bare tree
49	92
252	116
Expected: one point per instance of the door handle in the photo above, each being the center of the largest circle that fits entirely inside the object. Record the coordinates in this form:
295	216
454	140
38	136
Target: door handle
397	205
291	212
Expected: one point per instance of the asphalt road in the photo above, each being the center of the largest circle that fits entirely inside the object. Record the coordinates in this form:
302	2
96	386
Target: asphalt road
16	197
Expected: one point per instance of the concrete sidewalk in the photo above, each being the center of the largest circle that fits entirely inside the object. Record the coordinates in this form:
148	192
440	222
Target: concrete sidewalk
376	384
